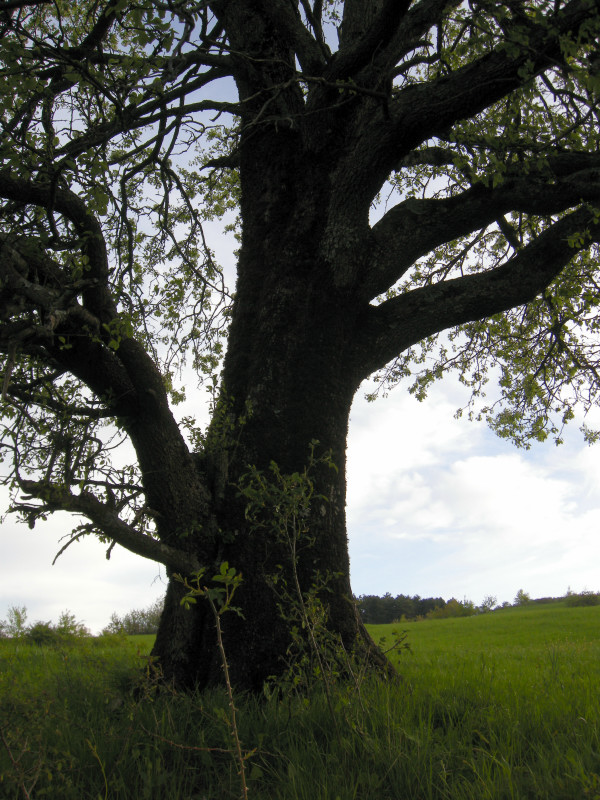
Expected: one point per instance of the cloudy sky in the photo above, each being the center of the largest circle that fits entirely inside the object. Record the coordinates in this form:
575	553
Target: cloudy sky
439	506
436	507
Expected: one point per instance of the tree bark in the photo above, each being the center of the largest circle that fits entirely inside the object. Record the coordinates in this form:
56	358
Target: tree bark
288	380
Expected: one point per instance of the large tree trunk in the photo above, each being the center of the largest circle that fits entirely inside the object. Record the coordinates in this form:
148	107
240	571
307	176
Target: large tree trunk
287	381
290	396
290	373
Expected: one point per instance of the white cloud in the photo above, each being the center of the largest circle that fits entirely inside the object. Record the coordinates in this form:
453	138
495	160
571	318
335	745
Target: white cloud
442	507
82	579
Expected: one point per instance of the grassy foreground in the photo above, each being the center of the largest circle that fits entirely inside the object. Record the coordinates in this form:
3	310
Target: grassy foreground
503	705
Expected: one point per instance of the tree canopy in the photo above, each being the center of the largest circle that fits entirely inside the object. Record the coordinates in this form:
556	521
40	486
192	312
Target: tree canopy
415	187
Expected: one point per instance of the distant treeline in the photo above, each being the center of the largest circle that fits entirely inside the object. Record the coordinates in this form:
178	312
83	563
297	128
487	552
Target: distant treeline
376	610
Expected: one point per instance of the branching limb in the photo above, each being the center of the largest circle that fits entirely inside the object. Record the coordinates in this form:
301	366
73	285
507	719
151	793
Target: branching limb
367	27
289	25
414	227
420	112
400	322
105	519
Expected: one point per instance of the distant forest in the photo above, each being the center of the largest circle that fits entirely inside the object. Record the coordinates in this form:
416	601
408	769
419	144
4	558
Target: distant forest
376	610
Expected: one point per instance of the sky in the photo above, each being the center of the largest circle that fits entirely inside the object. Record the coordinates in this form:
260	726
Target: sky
436	507
443	507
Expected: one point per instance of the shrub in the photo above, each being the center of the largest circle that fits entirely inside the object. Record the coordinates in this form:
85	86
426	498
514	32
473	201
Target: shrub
14	626
584	598
42	634
453	608
137	621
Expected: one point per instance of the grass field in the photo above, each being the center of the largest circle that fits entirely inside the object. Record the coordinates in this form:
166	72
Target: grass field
501	705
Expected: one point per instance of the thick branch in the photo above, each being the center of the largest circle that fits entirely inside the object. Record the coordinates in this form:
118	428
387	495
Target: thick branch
350	60
416	24
409	33
10	5
108	521
39	309
415	227
96	297
399	323
98	300
90	42
127	379
289	25
421	111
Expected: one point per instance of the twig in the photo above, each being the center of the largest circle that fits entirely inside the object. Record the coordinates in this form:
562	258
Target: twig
16	766
194	748
234	728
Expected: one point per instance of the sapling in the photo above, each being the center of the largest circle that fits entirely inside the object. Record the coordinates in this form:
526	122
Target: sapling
220	599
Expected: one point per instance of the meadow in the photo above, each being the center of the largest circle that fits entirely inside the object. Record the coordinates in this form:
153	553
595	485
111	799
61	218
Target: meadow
499	705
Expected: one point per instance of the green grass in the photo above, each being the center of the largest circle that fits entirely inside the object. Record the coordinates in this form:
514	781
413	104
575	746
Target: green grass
503	705
509	700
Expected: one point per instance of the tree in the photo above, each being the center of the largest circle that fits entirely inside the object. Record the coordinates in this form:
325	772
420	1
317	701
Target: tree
14	626
522	598
399	169
488	603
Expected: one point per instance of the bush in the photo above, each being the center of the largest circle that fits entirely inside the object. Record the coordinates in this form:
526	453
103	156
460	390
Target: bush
136	621
66	630
41	633
453	608
585	598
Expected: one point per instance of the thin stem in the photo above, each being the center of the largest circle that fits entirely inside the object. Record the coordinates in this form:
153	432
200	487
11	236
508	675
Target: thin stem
234	727
16	766
309	628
